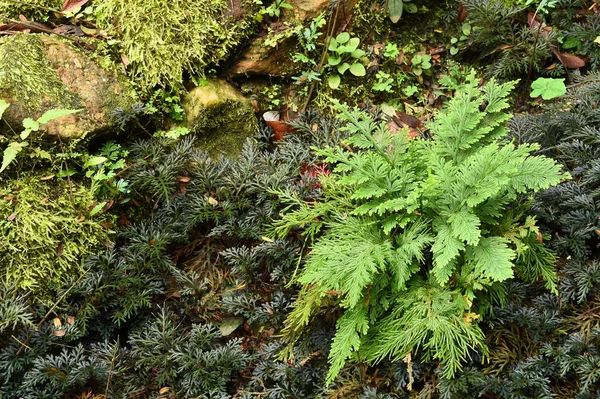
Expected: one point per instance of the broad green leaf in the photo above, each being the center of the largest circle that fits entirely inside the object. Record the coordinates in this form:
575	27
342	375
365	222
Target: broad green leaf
30	124
334	81
548	88
492	258
352	44
333	45
343	68
358	69
343	37
358	53
56	113
334	60
11	152
93	161
395	8
97	208
3	106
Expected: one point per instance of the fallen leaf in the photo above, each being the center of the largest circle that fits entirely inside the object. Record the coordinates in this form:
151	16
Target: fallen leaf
124	59
406	119
44	200
22	18
77	63
462	13
569	60
71	5
80	219
46	177
59	333
70	319
57	322
551	67
230	324
164	390
184	179
213	201
11	217
60	248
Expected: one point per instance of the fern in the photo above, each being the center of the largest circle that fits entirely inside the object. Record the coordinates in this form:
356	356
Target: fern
409	233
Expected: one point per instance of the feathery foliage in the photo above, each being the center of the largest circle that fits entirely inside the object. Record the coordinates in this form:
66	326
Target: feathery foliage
410	233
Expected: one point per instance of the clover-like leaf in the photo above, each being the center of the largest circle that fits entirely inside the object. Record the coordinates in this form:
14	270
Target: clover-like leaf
334	60
334	81
358	69
548	88
343	37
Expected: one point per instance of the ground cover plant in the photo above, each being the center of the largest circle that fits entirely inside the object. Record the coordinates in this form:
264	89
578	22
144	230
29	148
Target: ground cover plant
421	222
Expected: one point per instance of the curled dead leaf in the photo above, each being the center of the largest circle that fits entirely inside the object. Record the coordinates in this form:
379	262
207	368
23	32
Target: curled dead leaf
70	319
11	217
59	333
569	60
57	322
71	5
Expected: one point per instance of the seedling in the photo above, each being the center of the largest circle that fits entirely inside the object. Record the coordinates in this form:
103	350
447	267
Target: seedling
344	55
548	88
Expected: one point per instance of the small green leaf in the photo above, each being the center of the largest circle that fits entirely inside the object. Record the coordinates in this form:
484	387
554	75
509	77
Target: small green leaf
352	44
97	208
334	81
333	44
3	106
343	37
343	68
395	8
31	125
548	88
358	69
358	53
11	152
93	161
334	60
410	8
453	50
55	113
466	29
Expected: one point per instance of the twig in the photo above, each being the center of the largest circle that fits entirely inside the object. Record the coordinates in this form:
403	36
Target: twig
24	344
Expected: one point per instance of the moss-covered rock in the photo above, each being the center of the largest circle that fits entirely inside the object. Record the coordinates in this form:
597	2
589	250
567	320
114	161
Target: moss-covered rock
31	9
221	115
41	72
164	39
44	236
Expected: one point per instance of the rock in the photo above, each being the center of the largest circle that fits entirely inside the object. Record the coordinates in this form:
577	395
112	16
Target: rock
261	59
41	72
222	116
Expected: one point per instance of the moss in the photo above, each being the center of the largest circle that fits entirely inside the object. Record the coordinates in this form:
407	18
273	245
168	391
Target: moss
164	39
222	116
43	237
28	75
31	9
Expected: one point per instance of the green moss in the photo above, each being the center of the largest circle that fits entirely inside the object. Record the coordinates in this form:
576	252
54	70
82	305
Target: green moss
43	237
163	39
31	9
28	74
222	116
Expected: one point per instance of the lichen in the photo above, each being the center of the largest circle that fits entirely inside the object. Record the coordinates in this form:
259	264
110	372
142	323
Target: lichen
44	237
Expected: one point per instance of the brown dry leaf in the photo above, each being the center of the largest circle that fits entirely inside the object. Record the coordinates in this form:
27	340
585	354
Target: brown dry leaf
80	219
46	177
213	201
57	322
9	198
462	13
400	58
124	59
533	20
60	248
77	63
71	5
44	200
22	18
11	217
59	333
551	67
539	237
164	390
106	224
402	118
184	179
70	319
570	61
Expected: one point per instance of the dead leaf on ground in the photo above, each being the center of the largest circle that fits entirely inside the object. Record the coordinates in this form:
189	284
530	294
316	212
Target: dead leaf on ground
59	333
71	5
569	60
11	217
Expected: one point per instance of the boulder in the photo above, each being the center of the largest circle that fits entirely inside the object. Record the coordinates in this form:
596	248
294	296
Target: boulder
222	117
41	72
261	59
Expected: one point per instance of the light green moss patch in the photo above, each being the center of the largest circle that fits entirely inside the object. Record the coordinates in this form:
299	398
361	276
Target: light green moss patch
28	75
163	39
43	237
222	117
31	9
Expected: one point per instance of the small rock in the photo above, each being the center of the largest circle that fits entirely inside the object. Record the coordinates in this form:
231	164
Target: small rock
40	72
222	115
